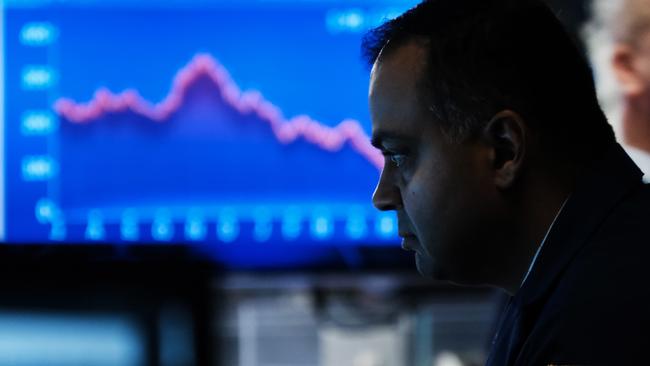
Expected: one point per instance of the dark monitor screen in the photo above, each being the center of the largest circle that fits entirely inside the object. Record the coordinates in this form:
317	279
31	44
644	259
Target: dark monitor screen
210	123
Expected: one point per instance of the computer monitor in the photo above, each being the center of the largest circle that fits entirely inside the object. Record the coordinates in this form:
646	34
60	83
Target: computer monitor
217	124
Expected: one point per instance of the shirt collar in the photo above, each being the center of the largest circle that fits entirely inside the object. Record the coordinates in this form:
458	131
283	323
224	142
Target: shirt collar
539	248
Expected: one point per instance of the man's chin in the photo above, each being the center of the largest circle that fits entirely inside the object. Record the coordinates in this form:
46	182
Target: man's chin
426	267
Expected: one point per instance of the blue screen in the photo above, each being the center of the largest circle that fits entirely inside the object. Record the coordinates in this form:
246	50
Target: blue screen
212	123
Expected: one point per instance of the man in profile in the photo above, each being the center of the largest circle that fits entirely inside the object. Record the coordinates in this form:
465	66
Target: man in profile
503	171
619	40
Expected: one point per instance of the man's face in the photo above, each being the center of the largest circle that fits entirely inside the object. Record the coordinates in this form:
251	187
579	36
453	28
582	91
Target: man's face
439	189
643	61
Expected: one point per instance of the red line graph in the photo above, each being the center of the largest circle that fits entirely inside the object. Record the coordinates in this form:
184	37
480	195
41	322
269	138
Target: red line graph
285	130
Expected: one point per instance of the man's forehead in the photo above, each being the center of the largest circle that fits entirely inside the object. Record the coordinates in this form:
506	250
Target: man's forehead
399	126
401	66
395	105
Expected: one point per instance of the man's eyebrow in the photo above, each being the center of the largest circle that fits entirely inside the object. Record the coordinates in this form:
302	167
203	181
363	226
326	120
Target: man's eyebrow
379	138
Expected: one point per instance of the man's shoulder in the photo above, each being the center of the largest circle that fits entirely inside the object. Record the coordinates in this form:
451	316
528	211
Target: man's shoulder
599	305
641	158
615	257
627	226
611	265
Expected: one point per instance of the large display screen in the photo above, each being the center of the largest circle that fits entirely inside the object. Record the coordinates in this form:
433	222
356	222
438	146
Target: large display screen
207	122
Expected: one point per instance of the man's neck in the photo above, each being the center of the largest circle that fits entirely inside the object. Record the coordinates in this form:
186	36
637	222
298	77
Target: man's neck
529	210
540	219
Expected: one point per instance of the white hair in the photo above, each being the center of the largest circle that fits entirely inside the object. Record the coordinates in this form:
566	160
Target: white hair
613	22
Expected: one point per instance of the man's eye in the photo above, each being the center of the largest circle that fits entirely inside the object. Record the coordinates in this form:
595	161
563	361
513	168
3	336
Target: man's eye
398	159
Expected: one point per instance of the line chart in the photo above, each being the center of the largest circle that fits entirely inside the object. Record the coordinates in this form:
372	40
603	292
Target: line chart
212	127
286	131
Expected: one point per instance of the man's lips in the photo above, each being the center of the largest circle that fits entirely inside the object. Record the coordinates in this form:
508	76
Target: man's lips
406	239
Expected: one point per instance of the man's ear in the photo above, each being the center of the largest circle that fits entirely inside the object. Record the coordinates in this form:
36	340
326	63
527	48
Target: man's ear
506	135
623	64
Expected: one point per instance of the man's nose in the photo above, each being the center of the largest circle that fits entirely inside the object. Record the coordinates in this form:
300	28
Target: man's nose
387	195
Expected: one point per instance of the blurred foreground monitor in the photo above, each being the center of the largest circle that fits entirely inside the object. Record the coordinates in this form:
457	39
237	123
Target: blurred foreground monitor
170	314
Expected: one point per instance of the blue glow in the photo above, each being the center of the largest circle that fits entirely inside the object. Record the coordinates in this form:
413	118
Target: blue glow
38	168
195	227
321	226
263	231
58	230
386	225
291	224
95	230
263	228
38	123
227	227
46	210
38	77
38	34
163	226
129	228
350	20
356	226
356	20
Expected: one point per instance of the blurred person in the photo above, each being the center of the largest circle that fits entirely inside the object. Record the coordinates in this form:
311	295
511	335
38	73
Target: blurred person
618	37
503	171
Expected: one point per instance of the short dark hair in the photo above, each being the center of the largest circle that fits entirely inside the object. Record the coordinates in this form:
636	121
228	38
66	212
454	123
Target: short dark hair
485	56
